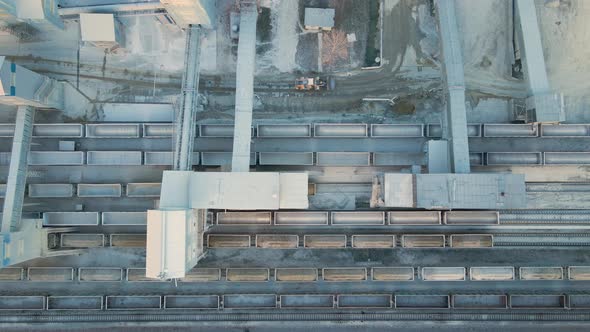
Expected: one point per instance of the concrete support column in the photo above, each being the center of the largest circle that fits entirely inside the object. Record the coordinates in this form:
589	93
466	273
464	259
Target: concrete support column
244	87
455	121
17	174
532	47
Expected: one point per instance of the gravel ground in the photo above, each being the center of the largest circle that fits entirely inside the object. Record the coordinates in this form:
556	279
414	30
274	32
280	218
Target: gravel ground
307	53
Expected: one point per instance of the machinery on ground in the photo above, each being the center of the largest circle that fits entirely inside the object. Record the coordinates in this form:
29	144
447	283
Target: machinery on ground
314	83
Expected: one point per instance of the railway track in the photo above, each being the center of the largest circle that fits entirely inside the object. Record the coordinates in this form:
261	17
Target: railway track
542	240
333	240
524	217
309	144
192	316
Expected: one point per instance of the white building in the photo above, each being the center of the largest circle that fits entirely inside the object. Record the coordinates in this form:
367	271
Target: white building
319	19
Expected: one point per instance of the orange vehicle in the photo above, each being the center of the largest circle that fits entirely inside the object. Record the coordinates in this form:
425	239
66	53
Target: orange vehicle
312	83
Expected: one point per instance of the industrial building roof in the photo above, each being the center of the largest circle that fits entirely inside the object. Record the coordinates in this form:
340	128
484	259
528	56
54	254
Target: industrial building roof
238	190
470	191
455	191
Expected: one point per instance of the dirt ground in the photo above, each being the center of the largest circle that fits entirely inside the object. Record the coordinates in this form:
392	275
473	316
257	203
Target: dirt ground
565	31
307	53
358	24
410	70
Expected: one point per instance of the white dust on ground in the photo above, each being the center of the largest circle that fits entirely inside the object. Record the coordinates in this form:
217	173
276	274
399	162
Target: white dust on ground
427	25
208	60
428	43
285	16
565	31
486	41
412	66
148	45
409	60
486	37
490	110
429	46
163	45
59	46
388	5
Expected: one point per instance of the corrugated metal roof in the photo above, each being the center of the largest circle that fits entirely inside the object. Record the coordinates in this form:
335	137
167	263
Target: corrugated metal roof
470	191
455	191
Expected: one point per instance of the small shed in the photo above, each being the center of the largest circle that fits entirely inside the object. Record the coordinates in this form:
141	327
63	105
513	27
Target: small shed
100	30
30	9
319	19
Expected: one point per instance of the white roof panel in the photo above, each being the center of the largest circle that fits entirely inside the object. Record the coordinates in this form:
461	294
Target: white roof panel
175	189
166	247
293	191
398	190
97	27
237	190
30	9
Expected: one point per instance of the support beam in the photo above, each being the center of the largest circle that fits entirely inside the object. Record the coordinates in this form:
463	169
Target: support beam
186	118
17	174
187	12
8	11
20	86
112	8
41	14
31	241
174	242
455	121
244	86
174	238
28	243
530	35
544	105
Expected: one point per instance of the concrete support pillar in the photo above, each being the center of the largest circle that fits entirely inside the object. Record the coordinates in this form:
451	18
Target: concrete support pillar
455	121
244	87
17	174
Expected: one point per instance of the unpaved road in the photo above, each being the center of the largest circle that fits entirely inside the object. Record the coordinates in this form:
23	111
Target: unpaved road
276	97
